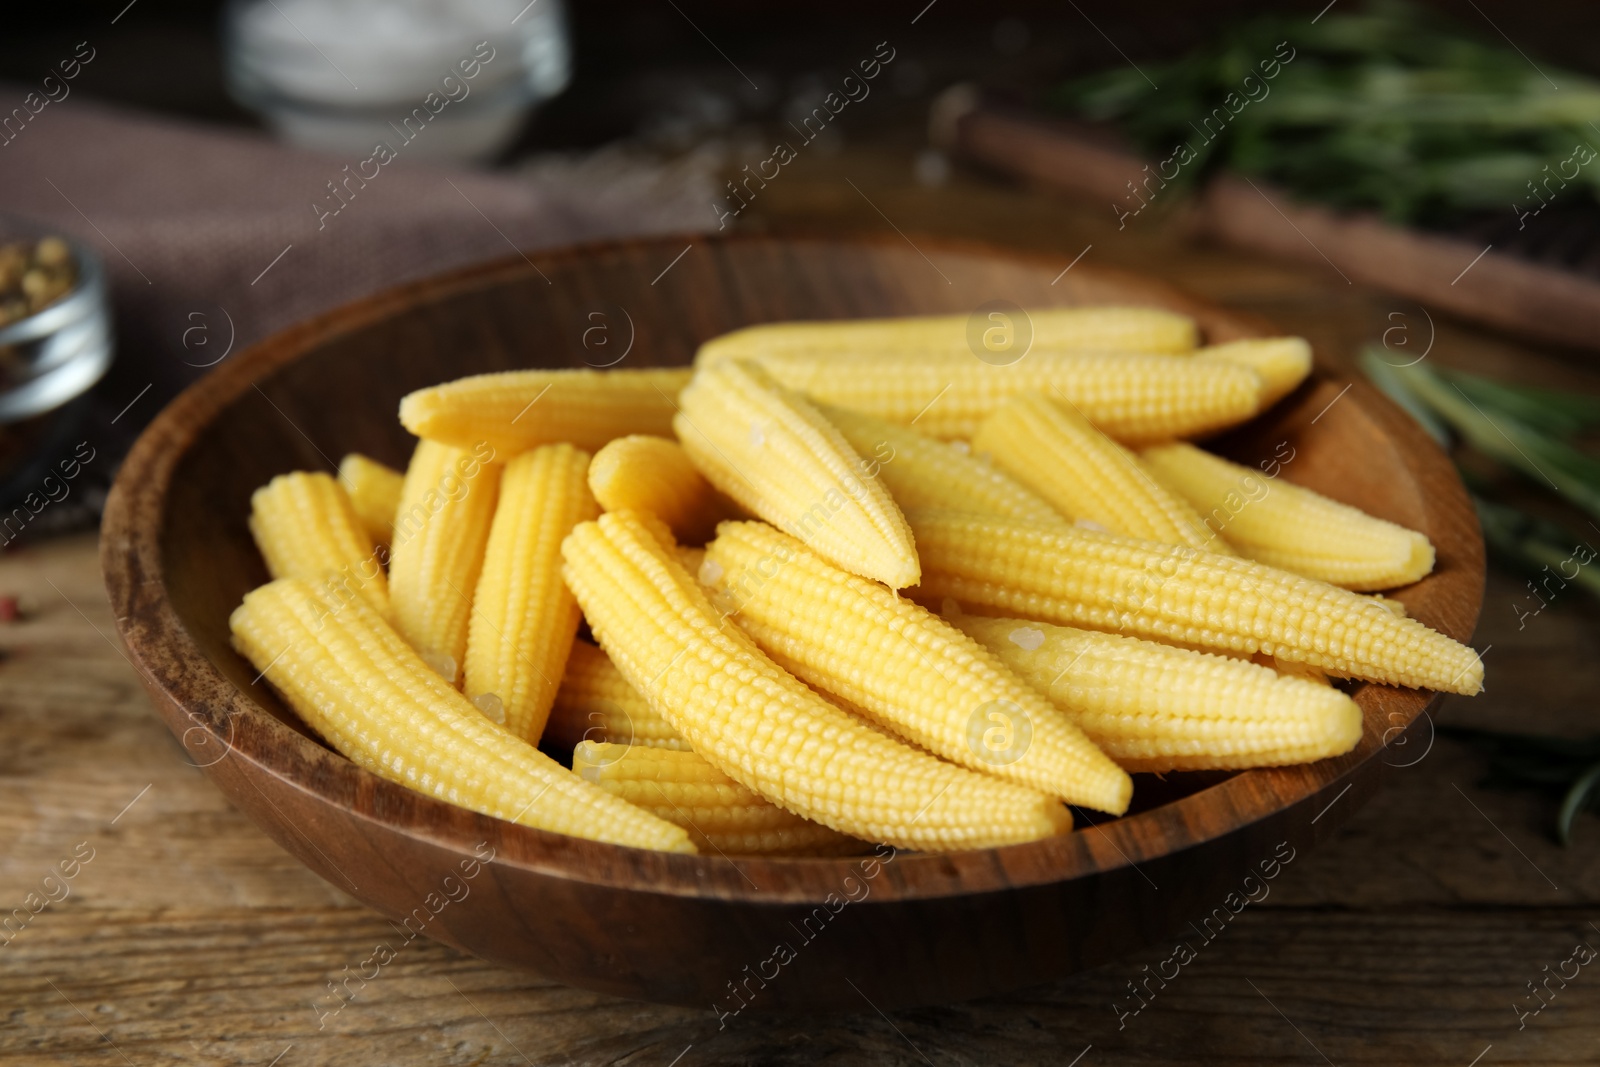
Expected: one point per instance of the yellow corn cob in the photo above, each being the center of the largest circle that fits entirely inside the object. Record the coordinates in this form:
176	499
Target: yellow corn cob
776	455
440	529
907	669
1176	593
1153	707
1135	398
1287	526
764	728
951	608
1053	450
923	472
352	679
305	527
1079	329
596	703
720	814
374	491
517	410
1282	362
655	475
523	617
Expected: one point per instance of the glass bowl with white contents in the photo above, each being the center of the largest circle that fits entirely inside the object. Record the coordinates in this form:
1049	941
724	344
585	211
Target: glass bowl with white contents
442	80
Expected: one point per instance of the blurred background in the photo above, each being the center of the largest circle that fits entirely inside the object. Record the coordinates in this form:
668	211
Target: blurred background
1413	187
195	142
607	118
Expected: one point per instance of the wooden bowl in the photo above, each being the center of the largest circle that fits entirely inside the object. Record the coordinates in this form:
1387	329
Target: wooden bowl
750	934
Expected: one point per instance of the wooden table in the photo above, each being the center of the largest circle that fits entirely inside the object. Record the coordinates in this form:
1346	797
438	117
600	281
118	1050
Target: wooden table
190	938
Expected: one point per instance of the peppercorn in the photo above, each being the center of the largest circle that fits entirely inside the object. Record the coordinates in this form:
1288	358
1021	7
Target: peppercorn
34	275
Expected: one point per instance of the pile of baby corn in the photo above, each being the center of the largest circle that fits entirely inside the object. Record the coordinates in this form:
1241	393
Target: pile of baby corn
939	599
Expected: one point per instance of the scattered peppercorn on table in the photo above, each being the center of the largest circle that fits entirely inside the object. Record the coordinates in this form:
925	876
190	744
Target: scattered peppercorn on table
829	612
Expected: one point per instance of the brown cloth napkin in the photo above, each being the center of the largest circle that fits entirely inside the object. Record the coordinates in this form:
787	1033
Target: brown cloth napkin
200	226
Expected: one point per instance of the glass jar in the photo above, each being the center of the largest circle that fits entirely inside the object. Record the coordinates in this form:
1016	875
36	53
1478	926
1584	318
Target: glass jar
56	353
431	79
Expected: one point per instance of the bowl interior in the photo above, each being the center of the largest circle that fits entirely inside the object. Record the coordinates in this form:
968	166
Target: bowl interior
306	397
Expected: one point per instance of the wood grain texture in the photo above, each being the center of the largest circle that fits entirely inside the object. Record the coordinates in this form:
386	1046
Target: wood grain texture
1336	979
922	930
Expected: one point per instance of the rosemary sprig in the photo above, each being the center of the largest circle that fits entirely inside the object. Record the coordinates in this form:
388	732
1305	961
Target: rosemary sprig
1559	414
1389	107
1533	546
1528	430
1494	425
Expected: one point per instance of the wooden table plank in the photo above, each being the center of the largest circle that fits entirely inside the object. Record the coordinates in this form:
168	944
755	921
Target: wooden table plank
237	986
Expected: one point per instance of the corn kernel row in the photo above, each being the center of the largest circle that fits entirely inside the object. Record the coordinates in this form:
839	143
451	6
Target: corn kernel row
1153	707
1136	398
720	815
523	617
774	453
907	669
1069	329
764	729
1178	594
596	703
352	679
1053	450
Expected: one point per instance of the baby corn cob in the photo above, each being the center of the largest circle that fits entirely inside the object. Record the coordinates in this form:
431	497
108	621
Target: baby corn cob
514	411
720	814
922	472
765	729
306	527
374	491
907	669
523	617
776	455
440	529
1282	362
1282	524
1177	593
1153	707
655	475
596	703
1087	329
352	679
1053	450
1137	399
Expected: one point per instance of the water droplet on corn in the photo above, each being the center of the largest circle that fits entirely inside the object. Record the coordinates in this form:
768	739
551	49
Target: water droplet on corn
442	662
489	704
1027	637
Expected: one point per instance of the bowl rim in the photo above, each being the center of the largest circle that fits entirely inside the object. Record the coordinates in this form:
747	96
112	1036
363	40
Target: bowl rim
188	688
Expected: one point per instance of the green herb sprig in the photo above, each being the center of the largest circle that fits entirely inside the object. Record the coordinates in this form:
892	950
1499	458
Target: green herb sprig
1531	431
1391	108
